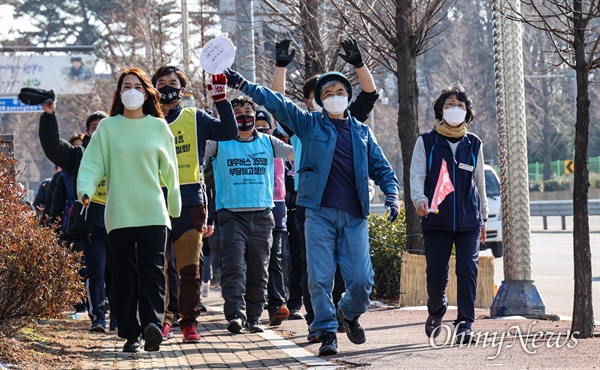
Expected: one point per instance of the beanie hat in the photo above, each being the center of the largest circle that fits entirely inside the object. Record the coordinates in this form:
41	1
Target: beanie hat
331	76
263	115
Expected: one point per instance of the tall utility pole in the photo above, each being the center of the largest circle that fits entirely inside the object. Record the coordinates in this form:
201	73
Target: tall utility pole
244	38
185	37
517	295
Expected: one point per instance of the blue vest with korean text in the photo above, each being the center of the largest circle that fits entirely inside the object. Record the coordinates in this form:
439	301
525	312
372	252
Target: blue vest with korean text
244	173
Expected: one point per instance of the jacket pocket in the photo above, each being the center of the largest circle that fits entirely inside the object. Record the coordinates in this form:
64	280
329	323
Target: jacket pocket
308	178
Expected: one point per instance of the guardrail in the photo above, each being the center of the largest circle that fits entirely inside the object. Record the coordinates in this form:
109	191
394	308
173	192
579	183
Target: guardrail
560	208
543	208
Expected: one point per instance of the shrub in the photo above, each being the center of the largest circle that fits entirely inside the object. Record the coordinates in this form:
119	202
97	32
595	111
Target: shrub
38	277
556	184
594	180
535	186
387	241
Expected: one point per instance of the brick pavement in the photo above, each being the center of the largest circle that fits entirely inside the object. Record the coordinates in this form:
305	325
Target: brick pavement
218	349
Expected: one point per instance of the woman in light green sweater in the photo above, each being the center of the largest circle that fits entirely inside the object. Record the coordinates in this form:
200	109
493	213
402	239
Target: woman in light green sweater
135	149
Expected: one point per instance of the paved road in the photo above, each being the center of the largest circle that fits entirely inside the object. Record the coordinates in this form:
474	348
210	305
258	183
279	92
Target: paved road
552	264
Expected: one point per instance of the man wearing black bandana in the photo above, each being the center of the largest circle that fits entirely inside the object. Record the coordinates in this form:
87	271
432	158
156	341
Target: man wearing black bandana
192	128
244	180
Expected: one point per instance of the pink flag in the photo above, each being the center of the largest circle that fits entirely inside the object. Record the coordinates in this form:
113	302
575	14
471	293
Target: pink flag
444	187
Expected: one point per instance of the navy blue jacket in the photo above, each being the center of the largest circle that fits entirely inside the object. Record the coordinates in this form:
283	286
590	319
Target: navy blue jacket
461	209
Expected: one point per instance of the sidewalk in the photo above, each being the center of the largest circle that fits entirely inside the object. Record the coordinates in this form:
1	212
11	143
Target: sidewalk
395	340
218	349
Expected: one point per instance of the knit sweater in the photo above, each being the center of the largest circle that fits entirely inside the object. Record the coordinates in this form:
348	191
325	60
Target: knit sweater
133	154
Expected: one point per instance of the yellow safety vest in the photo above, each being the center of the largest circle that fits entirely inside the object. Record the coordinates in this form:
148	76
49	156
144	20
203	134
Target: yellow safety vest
186	146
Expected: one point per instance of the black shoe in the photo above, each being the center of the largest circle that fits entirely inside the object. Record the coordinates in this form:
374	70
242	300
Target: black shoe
175	322
255	327
132	345
354	331
235	325
152	338
464	337
328	344
432	326
203	308
295	315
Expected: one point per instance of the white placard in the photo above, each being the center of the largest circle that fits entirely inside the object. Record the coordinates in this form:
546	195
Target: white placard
217	55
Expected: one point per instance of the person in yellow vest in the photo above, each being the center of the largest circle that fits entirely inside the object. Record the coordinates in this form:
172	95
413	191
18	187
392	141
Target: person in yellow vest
95	245
192	128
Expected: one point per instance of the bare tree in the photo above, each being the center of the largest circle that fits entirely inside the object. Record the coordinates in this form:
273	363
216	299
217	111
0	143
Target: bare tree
573	33
398	31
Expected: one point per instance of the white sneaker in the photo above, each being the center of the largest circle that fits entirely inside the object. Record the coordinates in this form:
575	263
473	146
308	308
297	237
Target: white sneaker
204	289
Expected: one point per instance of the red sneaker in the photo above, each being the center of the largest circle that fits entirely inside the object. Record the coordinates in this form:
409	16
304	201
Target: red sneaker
190	335
281	314
167	331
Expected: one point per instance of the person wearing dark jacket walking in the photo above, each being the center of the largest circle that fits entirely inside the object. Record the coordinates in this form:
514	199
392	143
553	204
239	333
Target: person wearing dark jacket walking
95	245
455	156
192	128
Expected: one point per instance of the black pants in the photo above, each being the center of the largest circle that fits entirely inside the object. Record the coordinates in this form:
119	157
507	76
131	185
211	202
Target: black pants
438	248
246	239
296	268
138	260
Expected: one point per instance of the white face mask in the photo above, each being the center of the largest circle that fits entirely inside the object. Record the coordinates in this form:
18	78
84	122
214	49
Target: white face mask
454	116
316	107
132	99
336	104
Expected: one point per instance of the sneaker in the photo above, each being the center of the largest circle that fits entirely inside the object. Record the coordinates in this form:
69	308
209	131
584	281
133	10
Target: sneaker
98	326
203	307
295	315
464	337
175	321
328	344
432	324
167	331
354	331
281	314
152	338
313	337
190	335
132	345
255	327
235	326
204	289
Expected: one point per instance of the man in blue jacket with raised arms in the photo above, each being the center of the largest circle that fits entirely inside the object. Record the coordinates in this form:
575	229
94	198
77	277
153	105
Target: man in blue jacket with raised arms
338	157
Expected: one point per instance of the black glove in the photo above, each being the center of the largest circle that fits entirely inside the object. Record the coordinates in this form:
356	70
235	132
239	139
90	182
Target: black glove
234	79
352	53
283	54
392	204
31	96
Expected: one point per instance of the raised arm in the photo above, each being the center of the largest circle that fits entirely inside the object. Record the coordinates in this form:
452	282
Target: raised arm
58	151
283	56
362	106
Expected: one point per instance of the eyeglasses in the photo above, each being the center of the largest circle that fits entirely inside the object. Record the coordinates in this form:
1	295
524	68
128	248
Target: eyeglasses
452	105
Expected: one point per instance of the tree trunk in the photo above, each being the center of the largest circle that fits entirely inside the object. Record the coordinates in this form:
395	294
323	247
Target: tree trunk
408	117
583	312
313	44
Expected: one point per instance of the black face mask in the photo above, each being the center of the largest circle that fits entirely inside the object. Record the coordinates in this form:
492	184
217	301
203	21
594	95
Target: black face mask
169	94
264	130
245	122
